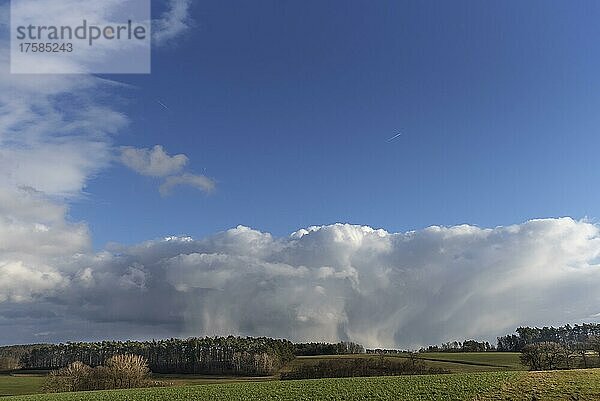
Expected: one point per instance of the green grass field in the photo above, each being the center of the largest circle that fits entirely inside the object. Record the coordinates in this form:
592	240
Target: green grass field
28	384
20	384
192	380
434	387
467	362
572	385
496	360
567	385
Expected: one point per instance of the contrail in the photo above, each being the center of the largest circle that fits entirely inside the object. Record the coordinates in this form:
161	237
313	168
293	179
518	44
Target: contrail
162	104
394	137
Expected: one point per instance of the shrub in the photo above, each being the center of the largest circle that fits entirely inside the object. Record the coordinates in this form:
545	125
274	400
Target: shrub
127	371
121	371
543	356
75	377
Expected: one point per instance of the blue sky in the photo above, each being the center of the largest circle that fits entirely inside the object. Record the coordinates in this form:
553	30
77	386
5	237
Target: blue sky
276	115
288	106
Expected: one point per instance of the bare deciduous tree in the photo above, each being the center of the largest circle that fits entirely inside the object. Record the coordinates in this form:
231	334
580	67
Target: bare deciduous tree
8	363
121	371
127	371
75	377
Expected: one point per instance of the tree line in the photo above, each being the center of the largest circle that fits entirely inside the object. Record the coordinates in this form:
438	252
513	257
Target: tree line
457	346
567	336
10	357
342	348
549	348
219	356
246	356
549	355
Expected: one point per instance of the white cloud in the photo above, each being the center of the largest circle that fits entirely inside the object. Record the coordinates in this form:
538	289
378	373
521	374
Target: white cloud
56	133
105	56
200	182
153	162
156	162
46	143
173	23
21	283
329	283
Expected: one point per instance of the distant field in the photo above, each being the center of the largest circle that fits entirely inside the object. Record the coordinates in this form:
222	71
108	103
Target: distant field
18	385
434	387
460	362
505	360
27	384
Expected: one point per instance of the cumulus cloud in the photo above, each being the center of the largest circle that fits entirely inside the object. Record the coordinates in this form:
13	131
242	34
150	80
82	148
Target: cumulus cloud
200	182
153	162
54	136
173	22
21	283
157	163
56	132
48	151
338	282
